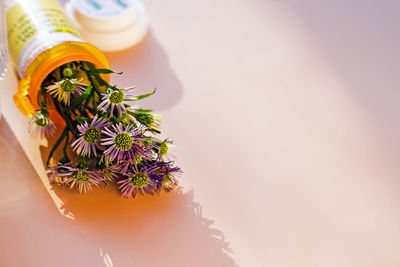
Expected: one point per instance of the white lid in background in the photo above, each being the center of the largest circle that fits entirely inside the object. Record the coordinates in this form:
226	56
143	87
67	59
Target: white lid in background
110	25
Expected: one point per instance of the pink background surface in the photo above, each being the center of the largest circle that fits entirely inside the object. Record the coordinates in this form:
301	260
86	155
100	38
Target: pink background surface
287	120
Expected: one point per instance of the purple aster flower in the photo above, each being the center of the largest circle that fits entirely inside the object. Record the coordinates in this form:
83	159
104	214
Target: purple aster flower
139	151
110	173
63	89
167	175
138	180
41	126
136	155
133	159
169	181
116	98
119	141
82	179
89	138
58	172
126	164
162	148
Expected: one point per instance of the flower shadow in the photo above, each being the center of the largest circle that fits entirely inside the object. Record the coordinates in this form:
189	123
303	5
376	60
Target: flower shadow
164	230
106	230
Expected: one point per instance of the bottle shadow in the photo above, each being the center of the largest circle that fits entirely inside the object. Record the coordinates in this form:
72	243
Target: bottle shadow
164	230
147	66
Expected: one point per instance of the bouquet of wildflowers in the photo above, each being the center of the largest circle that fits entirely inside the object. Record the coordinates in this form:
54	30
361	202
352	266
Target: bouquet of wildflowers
104	139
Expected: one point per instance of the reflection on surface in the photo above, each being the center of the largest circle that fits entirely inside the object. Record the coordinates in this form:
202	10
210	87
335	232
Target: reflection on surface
165	230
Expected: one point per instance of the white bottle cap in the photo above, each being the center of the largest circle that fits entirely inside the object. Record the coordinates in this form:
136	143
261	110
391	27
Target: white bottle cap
111	25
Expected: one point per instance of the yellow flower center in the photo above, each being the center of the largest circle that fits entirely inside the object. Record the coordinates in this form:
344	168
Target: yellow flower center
123	141
117	97
139	179
91	135
67	86
83	176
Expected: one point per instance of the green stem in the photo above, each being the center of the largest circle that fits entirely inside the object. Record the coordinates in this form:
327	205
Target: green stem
39	100
44	95
67	119
41	97
65	154
57	74
58	142
95	84
87	101
94	103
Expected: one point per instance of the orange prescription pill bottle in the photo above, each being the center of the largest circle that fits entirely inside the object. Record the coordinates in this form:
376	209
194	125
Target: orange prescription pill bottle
41	38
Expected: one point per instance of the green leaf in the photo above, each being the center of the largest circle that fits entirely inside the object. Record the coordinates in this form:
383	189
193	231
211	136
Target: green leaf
138	97
103	71
79	100
144	110
87	66
80	119
155	131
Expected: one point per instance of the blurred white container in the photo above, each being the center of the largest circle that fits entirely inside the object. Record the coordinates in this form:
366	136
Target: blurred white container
111	25
3	39
3	44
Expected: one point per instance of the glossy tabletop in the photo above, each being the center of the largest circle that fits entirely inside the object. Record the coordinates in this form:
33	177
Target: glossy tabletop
287	124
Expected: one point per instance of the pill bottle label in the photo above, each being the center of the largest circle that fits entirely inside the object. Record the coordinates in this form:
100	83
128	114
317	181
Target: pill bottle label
35	26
